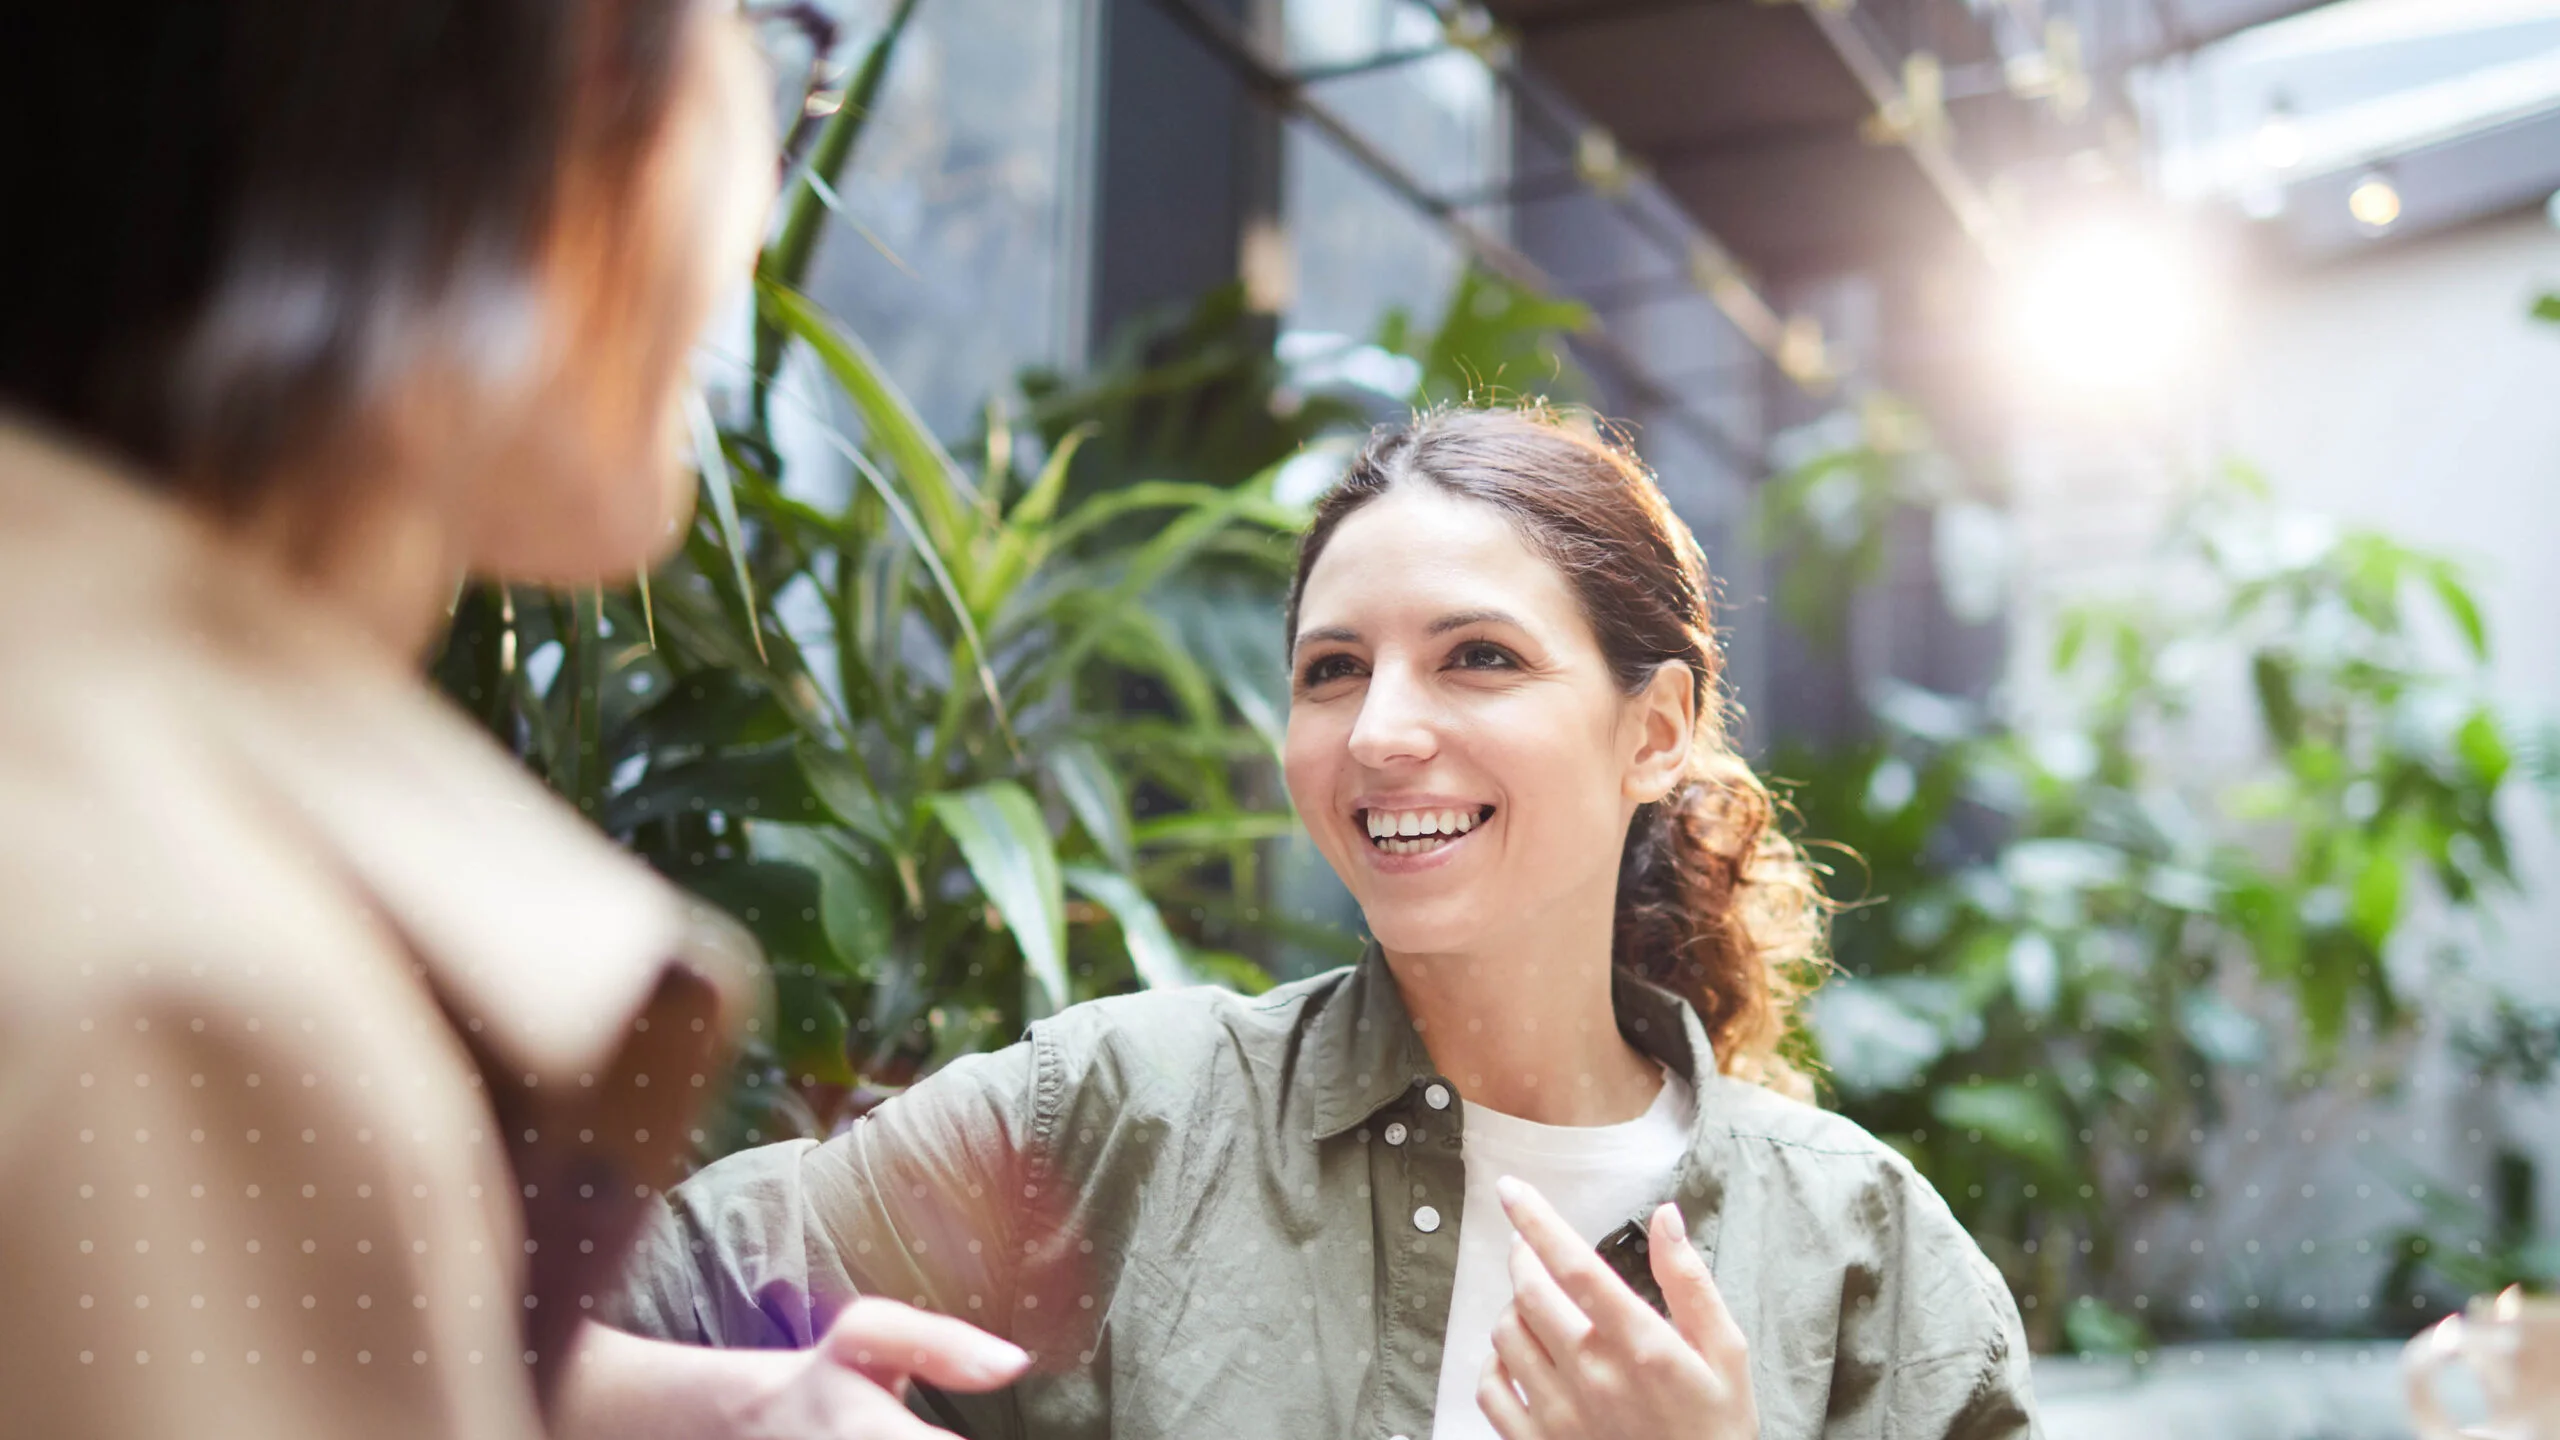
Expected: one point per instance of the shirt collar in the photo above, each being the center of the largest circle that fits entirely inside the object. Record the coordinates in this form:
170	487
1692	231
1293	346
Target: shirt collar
1364	1045
542	938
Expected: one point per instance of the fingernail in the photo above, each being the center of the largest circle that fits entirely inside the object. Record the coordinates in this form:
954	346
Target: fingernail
1509	1191
1001	1359
1669	1214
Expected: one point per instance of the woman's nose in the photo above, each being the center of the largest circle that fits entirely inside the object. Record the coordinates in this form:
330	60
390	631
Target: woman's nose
1396	722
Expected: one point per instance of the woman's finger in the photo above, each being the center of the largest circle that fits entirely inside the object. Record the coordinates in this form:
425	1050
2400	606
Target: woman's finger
891	1343
1698	1310
1501	1404
1577	1267
1523	1354
850	1407
1549	1314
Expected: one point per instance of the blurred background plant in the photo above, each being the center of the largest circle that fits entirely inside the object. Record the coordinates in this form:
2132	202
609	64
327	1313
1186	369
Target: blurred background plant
900	735
2238	831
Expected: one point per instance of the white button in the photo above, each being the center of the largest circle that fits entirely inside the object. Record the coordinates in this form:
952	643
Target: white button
1437	1097
1426	1219
1396	1132
1399	1437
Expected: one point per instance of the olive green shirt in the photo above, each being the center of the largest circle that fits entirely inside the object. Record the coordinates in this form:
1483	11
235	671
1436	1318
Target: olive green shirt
1205	1215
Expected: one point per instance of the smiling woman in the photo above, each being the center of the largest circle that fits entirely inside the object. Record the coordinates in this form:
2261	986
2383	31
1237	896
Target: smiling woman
1528	603
1530	1168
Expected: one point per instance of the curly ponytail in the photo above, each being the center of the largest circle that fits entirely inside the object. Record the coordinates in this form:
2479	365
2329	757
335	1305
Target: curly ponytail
1715	903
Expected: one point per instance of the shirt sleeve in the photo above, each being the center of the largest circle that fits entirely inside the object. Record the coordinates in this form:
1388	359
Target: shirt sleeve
918	1202
1962	1367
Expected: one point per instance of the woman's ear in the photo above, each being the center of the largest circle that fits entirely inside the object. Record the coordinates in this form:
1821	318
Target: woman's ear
1665	719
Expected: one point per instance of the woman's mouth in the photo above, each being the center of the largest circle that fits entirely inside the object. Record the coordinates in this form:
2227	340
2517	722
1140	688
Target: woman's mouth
1419	832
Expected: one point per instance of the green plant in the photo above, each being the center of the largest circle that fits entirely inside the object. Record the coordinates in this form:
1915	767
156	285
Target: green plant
878	735
2086	934
1495	339
898	736
1184	393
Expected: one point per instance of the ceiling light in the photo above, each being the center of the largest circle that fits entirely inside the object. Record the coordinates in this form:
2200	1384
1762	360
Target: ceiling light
2107	306
2278	143
2375	202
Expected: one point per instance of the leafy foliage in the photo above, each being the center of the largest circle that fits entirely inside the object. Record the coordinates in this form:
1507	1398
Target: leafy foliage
1496	340
899	736
899	771
2088	929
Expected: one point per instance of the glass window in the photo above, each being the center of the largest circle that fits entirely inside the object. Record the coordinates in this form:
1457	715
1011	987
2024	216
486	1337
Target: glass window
955	255
1359	248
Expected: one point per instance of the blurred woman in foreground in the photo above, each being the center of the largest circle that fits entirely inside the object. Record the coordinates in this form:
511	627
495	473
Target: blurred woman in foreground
1536	1167
336	1058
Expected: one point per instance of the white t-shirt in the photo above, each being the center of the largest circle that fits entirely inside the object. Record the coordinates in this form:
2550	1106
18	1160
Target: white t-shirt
1597	1176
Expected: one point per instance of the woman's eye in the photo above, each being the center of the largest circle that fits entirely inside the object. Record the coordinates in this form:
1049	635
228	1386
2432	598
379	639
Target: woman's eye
1325	669
1483	655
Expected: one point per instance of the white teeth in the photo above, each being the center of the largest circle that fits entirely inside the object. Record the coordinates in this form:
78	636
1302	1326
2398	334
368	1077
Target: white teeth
1408	832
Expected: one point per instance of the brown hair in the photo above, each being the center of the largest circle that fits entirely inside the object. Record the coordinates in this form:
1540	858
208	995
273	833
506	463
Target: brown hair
1714	901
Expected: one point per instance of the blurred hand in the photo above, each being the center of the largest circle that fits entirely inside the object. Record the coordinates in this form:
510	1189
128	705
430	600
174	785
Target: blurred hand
851	1384
848	1386
1579	1356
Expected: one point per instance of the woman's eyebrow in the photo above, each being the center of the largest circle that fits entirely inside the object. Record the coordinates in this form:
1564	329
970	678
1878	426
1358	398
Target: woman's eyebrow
1325	634
1464	618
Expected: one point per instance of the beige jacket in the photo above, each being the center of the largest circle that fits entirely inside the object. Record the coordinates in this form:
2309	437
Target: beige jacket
335	1055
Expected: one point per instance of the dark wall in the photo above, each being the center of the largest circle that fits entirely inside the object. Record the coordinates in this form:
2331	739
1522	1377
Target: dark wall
1188	159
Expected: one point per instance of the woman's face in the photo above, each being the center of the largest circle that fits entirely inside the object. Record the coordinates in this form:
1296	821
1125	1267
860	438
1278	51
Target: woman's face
1457	746
587	480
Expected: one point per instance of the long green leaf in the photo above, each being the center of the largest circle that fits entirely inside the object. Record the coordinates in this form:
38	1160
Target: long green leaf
1023	542
713	463
1160	556
2484	749
2456	597
1007	847
1235	633
847	793
2011	1117
942	578
1094	792
1153	952
854	913
944	498
764	782
786	260
1250	501
1197	828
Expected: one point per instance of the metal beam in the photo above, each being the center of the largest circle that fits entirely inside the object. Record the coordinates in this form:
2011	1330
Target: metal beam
2185	34
1277	88
1931	148
1565	18
1369	64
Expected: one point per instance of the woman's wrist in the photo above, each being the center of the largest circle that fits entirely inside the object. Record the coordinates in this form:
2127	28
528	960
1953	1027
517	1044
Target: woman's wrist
622	1386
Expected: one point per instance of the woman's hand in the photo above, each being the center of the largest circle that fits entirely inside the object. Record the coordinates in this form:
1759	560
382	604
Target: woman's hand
852	1383
1578	1356
848	1386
